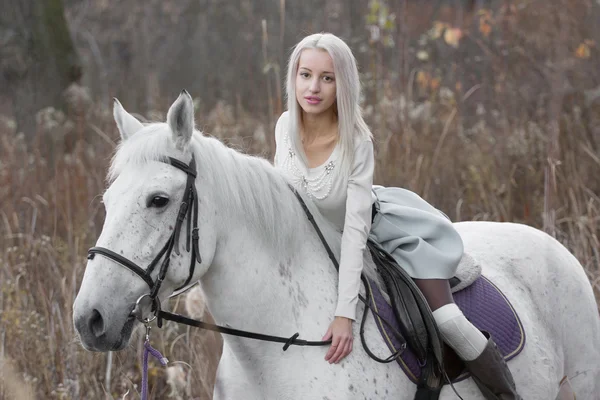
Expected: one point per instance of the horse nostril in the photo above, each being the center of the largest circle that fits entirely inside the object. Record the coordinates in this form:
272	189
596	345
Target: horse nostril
96	323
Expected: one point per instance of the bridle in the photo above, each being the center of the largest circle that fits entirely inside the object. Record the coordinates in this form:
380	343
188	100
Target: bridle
189	209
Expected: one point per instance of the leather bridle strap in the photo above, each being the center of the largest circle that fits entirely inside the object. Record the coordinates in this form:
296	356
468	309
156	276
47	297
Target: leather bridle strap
366	301
121	260
293	340
188	208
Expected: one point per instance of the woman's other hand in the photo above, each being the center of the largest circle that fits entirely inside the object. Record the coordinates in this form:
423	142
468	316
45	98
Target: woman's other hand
340	333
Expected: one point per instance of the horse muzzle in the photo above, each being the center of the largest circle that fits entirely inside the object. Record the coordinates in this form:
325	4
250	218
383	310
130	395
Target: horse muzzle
97	333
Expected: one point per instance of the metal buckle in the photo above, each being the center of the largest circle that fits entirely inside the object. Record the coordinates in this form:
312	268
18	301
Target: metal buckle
148	327
137	309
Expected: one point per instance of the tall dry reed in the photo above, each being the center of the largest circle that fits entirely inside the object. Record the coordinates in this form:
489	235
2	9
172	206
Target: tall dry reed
484	162
51	214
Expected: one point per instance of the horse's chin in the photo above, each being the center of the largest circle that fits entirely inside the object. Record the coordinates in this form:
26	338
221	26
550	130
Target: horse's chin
108	342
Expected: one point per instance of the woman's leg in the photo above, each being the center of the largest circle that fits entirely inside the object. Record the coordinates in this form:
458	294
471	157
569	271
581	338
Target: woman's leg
481	356
466	340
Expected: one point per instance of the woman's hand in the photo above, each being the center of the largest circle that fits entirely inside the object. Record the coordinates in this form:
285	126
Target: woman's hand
340	331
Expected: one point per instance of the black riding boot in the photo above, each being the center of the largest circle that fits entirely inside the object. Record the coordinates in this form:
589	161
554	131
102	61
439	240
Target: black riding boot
491	374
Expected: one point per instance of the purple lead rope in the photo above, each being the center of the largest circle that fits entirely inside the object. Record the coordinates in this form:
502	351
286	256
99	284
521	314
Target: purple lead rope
148	349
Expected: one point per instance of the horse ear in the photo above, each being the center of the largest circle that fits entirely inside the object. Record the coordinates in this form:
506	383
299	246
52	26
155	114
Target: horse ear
181	119
127	123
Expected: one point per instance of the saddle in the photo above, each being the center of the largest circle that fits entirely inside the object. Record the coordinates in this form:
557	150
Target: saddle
426	360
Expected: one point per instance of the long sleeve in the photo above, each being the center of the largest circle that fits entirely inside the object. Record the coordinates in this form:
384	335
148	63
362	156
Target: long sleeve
357	224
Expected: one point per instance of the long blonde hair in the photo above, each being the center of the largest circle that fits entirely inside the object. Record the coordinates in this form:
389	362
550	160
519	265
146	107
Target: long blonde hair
351	125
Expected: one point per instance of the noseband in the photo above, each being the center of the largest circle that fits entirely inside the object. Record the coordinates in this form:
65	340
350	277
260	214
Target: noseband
189	209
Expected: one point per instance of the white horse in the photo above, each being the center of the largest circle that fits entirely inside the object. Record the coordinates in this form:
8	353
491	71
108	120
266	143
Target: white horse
264	269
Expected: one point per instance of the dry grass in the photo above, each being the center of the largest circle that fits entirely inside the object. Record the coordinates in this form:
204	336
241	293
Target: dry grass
13	385
482	152
479	172
51	215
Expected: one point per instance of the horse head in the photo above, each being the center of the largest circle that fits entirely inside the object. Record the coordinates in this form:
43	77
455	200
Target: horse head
153	240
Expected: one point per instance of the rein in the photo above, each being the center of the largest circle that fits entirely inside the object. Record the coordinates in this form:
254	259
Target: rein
292	340
189	209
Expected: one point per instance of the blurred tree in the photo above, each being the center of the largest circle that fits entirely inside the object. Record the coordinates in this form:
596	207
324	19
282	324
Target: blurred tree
37	58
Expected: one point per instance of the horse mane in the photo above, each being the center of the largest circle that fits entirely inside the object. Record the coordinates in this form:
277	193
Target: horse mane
237	182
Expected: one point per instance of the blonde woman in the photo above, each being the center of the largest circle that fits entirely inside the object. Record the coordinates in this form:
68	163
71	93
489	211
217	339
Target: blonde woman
325	149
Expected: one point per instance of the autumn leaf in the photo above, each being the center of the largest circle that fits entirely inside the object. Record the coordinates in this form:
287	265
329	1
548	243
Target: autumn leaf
375	6
485	28
452	36
426	81
423	79
390	23
583	51
437	29
485	22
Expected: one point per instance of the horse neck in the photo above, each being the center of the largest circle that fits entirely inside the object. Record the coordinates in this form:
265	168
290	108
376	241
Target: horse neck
249	287
253	286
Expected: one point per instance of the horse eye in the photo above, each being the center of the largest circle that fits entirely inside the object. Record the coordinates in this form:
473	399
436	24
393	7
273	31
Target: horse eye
158	202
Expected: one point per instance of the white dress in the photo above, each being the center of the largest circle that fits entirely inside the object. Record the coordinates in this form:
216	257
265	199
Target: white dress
345	203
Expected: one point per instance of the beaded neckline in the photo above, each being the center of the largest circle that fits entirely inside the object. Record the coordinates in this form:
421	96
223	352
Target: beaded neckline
316	184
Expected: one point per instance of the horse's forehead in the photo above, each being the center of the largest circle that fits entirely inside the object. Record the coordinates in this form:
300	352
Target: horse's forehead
135	176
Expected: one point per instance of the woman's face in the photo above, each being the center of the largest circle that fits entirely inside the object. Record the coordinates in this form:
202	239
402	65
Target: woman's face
315	82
